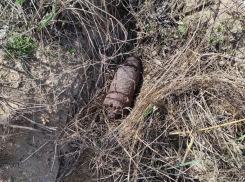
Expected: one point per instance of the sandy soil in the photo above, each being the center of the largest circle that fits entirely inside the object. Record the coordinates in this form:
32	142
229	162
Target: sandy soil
28	156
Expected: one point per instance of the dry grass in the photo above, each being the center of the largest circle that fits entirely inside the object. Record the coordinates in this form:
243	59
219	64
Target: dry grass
68	69
191	101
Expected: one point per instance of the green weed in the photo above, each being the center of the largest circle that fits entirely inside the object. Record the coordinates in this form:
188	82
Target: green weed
148	112
181	30
149	28
51	16
213	40
185	164
21	1
72	50
218	27
223	30
229	51
21	46
241	138
223	39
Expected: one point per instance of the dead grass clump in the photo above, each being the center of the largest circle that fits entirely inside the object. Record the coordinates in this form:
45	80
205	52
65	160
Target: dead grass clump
76	46
190	109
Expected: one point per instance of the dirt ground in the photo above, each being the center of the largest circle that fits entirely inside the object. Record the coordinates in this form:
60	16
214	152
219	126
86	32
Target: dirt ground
29	156
29	151
33	156
42	94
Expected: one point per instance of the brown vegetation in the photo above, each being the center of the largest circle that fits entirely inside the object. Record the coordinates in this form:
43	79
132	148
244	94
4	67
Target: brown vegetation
188	116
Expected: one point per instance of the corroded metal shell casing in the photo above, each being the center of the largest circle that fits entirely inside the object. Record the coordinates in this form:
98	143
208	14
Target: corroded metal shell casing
123	87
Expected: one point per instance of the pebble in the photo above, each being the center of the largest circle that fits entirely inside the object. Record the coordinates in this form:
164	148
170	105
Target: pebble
154	53
242	67
157	62
235	65
48	82
163	53
221	63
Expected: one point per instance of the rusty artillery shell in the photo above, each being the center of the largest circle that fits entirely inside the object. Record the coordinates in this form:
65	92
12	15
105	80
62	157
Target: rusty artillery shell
123	88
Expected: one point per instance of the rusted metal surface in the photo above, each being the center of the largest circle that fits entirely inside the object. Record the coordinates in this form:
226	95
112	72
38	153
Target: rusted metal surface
123	87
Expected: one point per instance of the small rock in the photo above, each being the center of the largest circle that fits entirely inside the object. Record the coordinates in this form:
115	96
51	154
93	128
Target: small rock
2	55
163	53
221	63
154	53
242	67
48	82
3	31
18	66
157	62
235	65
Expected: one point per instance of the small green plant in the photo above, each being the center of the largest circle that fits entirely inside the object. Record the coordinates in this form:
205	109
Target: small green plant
223	30
223	39
241	138
148	112
213	40
218	27
229	51
181	29
21	46
21	1
51	16
72	50
149	28
185	164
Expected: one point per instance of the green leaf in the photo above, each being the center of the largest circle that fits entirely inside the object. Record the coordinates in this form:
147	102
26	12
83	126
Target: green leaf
217	27
72	50
46	21
49	18
19	1
185	164
241	138
21	46
35	45
147	112
181	29
55	6
223	39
